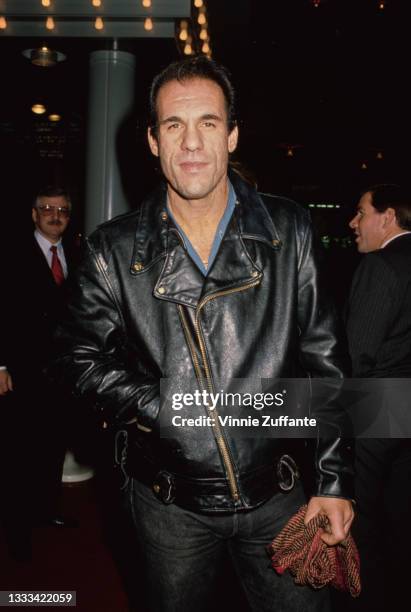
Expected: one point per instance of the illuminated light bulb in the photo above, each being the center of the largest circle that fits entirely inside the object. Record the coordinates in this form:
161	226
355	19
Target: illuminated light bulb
381	6
205	48
316	3
201	19
198	3
99	23
50	23
188	49
146	3
46	3
96	3
203	34
148	24
45	49
3	23
183	35
380	155
364	166
290	152
54	117
38	109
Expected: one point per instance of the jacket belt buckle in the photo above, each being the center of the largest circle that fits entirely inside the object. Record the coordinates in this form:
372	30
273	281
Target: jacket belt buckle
164	487
287	472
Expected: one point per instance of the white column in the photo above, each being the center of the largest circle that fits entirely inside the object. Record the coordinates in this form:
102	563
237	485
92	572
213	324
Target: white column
111	99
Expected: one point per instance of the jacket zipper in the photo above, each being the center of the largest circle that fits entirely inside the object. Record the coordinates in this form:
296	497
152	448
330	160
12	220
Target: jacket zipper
191	346
218	431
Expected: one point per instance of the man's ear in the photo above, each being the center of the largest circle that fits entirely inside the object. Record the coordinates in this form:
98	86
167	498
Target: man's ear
34	214
152	141
389	216
233	139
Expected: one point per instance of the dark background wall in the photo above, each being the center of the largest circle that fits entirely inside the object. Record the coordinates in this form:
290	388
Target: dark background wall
329	82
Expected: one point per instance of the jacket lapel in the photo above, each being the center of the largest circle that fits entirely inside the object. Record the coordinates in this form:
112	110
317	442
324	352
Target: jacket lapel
237	264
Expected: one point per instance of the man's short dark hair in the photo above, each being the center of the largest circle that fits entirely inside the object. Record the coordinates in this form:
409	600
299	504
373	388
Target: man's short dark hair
52	191
198	67
392	196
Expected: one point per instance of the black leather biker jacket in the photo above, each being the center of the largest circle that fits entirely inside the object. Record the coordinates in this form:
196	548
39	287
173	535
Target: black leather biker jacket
141	311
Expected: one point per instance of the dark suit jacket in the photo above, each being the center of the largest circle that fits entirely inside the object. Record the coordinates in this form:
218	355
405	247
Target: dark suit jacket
379	312
31	305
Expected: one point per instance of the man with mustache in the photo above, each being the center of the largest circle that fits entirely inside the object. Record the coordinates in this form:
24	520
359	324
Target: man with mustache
208	281
34	273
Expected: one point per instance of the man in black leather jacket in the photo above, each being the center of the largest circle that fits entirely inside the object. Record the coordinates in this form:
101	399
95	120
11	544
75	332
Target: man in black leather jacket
208	282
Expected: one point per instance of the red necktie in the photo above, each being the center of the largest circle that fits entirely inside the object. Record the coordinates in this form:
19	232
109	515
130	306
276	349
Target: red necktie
56	267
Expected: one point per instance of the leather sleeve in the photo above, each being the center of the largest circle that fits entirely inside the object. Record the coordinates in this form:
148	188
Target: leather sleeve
92	350
323	356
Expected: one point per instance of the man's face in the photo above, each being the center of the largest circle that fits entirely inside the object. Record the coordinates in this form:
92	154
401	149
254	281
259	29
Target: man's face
193	141
49	221
369	225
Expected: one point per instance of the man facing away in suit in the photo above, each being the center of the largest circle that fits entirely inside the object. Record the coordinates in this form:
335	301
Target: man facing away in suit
34	272
379	336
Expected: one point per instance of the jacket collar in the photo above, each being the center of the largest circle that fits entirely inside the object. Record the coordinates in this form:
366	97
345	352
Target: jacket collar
254	221
151	237
236	265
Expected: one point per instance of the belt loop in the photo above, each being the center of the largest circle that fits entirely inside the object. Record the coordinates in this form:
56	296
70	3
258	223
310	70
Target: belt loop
164	487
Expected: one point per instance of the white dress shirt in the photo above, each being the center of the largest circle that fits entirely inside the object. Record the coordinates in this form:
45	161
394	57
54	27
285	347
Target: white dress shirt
45	245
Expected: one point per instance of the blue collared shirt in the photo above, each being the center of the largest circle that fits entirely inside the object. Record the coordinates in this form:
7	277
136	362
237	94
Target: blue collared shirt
222	226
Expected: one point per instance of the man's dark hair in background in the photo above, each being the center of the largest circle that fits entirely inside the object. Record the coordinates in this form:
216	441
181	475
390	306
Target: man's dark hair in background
198	67
52	191
387	195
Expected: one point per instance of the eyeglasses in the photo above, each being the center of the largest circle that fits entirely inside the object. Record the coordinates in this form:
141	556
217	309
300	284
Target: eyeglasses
47	210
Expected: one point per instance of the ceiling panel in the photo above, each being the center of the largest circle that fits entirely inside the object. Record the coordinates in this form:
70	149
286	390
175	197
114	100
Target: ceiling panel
75	18
83	8
84	29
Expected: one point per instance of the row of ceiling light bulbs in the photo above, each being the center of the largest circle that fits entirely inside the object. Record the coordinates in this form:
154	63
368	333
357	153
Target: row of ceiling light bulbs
97	3
98	22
